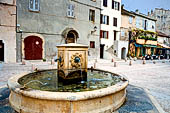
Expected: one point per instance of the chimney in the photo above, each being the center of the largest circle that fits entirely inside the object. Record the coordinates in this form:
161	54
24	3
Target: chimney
137	11
151	12
122	6
148	13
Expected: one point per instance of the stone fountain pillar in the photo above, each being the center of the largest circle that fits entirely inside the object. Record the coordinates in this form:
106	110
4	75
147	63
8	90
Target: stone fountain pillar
72	62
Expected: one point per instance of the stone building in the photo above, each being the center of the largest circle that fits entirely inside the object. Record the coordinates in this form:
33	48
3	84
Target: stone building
110	29
44	24
139	30
128	22
8	31
144	36
163	20
163	48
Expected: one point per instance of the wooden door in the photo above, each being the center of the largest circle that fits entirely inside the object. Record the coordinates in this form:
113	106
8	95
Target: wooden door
1	50
33	48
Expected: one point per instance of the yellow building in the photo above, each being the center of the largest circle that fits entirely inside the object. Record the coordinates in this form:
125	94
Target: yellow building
139	30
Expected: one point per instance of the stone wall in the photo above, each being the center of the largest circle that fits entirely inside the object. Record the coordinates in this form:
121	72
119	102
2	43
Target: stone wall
163	20
52	20
8	29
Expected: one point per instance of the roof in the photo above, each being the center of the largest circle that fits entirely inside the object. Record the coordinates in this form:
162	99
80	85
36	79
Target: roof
162	34
126	12
163	46
144	16
131	13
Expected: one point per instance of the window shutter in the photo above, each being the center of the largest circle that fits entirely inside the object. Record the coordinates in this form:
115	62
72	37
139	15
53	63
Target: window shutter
93	16
107	34
116	22
31	4
101	33
113	4
101	19
37	5
106	3
118	6
107	20
72	10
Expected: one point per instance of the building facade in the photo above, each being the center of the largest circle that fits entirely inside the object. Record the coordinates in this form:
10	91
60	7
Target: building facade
110	20
8	31
163	20
144	37
128	22
163	48
42	25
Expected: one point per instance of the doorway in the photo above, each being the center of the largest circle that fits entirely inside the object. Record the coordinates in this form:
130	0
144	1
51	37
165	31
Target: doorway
102	51
71	37
1	50
33	48
123	53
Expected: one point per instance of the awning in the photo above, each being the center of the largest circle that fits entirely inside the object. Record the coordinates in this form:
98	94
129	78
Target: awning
138	45
146	45
163	46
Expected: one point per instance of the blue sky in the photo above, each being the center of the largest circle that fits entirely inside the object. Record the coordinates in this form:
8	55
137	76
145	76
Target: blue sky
145	5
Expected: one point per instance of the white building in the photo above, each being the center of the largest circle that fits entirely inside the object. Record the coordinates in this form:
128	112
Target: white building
110	20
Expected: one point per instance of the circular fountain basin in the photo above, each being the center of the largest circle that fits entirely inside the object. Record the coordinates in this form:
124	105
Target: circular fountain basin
106	98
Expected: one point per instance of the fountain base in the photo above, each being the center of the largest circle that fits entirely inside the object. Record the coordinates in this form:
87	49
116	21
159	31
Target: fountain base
67	104
101	100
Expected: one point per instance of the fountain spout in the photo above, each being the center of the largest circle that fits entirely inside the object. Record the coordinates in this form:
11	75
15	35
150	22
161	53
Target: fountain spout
77	59
59	59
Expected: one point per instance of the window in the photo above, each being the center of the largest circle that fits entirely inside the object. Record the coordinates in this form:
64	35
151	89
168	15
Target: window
137	22
92	15
34	5
70	10
114	21
122	33
115	35
153	27
105	3
104	34
92	44
104	19
130	20
146	25
115	5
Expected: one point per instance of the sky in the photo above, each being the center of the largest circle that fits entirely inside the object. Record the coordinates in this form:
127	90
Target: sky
145	6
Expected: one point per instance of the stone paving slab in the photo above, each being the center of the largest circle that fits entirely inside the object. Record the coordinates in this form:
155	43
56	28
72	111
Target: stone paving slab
137	102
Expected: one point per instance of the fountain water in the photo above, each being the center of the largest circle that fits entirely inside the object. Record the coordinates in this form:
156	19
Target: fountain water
72	88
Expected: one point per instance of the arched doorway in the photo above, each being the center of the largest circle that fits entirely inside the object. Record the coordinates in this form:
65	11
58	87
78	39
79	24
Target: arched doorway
33	48
123	53
1	50
71	37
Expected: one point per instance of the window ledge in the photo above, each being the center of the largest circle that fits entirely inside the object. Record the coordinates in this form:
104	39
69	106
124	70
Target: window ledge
35	11
72	17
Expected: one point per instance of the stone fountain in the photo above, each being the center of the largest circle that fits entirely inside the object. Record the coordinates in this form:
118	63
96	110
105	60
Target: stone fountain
72	88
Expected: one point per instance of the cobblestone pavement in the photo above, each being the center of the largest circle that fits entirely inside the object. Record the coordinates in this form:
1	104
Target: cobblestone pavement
8	70
154	77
